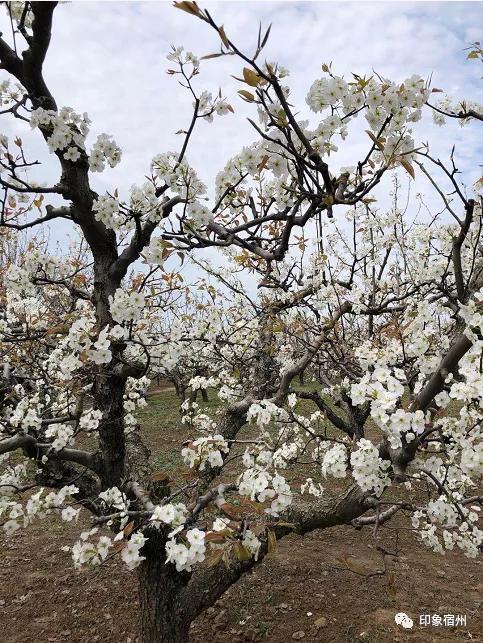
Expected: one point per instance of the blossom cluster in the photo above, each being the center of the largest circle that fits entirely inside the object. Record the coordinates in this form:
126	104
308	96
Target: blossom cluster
104	150
62	435
199	382
100	353
441	528
264	412
383	387
205	450
258	484
183	554
66	133
208	106
387	106
106	210
182	57
335	462
37	506
85	552
198	215
177	175
368	469
16	11
134	397
450	107
126	306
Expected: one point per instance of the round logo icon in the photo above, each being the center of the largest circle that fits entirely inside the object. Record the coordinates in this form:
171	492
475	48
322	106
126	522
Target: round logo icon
404	620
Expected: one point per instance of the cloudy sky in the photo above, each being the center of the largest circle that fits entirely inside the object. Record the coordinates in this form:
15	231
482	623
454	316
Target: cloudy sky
109	59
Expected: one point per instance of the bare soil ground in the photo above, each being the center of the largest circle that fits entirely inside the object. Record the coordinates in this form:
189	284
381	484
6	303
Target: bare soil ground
303	591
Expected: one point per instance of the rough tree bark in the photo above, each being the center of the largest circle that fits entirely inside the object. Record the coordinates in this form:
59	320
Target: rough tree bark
164	616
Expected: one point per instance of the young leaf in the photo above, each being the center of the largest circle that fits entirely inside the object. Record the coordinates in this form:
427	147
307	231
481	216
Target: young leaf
263	163
250	77
38	201
271	541
377	142
241	552
223	37
189	7
230	510
208	56
128	528
265	37
160	476
215	558
408	167
119	546
249	97
215	537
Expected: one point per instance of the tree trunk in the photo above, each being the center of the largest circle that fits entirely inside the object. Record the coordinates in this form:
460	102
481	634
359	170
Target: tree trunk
302	378
108	390
108	397
163	619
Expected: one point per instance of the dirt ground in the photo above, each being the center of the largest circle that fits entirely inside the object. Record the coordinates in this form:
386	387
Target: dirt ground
303	591
311	596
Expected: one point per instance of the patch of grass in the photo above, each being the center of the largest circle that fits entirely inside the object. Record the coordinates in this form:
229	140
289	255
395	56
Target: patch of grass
164	433
364	637
168	461
262	629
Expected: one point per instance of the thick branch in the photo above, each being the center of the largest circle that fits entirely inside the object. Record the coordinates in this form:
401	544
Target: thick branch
139	241
207	585
299	366
448	364
34	56
28	442
335	419
456	252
